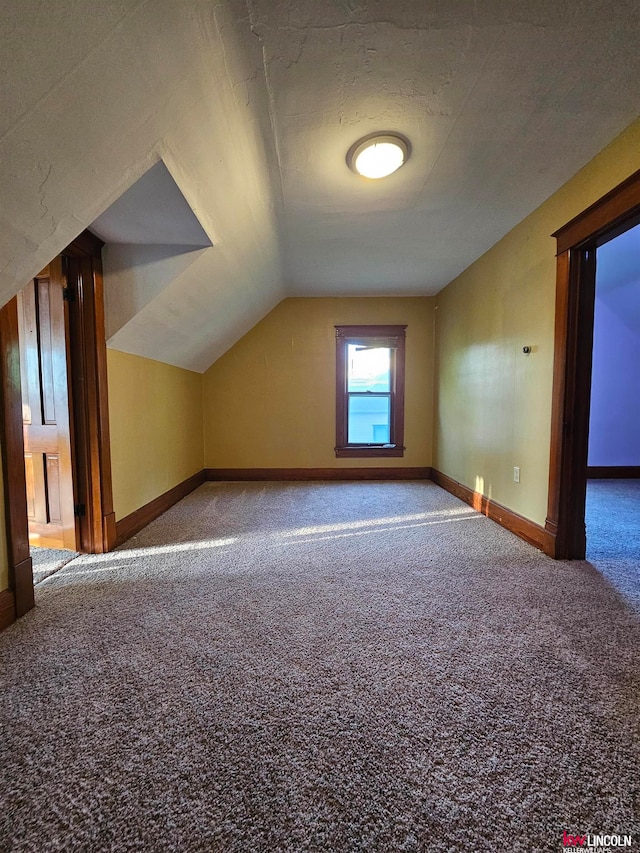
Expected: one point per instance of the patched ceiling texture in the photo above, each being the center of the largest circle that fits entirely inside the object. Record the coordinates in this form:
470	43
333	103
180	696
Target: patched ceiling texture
206	143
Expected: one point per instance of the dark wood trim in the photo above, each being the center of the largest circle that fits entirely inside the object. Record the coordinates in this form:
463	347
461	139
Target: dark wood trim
392	331
558	426
575	301
134	522
602	216
85	244
304	474
575	296
23	574
7	608
399	372
88	360
613	472
366	452
525	529
15	492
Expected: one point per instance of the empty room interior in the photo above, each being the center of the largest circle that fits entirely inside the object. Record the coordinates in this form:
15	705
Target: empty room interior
320	519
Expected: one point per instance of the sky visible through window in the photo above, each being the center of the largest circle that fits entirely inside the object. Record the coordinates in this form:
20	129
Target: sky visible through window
368	386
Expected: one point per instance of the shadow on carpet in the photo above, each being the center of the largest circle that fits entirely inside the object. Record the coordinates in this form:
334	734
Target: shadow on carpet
48	561
613	534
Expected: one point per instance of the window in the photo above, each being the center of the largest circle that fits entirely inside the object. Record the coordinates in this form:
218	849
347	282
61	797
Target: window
370	390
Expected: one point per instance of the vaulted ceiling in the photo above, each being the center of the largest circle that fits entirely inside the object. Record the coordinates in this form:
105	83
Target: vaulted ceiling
206	142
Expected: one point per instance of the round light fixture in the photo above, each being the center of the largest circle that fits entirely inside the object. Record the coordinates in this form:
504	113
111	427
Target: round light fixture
378	155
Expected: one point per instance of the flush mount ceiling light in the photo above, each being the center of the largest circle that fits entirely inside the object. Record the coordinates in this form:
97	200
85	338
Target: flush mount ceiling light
378	155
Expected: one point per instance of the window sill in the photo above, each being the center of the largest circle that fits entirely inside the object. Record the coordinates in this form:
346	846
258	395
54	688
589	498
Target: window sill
364	451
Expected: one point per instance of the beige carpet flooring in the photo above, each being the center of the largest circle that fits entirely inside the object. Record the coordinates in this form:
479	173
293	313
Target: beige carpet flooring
320	667
47	561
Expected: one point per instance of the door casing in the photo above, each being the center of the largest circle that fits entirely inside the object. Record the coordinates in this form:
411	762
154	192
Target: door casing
577	242
87	361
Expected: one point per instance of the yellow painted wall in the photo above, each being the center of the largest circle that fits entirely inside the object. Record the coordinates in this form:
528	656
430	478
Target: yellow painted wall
155	415
493	403
269	402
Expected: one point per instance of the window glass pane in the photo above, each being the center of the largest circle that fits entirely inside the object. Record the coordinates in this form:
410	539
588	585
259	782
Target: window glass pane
368	369
369	419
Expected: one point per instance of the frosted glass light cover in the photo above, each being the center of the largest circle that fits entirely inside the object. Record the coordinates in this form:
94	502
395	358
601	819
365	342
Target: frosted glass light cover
379	160
378	155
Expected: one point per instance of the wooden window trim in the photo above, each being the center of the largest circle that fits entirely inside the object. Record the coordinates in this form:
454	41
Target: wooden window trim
345	335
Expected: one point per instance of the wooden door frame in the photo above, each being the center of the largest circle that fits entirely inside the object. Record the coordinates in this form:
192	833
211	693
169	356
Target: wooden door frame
87	362
19	597
88	373
577	242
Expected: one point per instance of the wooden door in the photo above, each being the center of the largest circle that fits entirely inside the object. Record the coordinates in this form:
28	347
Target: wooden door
45	410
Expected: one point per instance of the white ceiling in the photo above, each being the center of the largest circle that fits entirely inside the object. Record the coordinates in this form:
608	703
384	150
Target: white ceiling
249	107
502	102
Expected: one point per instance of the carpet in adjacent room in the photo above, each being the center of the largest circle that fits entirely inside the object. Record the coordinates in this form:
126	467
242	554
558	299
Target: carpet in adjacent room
613	534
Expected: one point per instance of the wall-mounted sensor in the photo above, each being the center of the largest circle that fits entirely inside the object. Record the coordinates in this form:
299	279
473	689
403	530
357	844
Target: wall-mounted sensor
526	350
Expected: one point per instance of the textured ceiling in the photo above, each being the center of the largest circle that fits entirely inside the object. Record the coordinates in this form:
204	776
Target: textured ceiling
250	108
502	102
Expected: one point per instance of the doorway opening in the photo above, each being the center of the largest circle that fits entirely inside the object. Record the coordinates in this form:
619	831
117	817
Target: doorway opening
613	472
578	243
55	456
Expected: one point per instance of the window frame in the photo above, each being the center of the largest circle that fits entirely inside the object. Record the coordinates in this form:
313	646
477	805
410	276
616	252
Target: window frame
345	335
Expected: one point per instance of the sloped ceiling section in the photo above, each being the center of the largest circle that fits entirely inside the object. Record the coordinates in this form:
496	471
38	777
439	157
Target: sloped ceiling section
151	237
97	94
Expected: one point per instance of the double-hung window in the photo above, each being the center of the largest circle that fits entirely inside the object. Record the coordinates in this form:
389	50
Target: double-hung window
369	390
